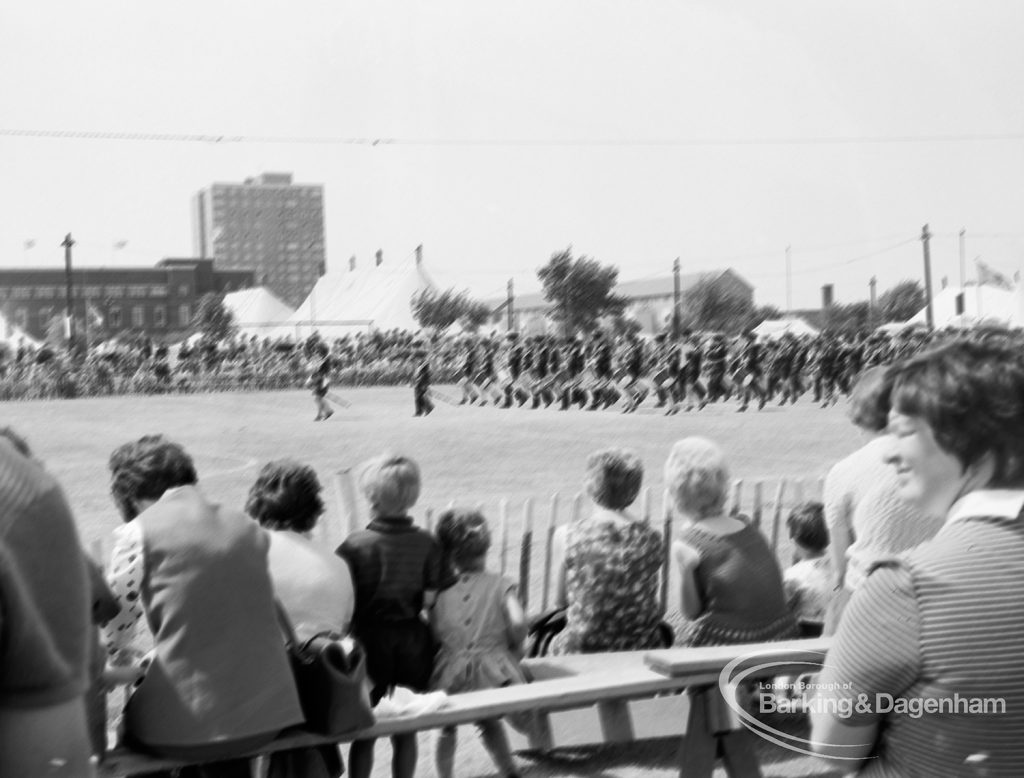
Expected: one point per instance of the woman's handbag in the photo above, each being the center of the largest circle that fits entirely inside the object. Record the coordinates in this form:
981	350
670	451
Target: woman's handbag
330	677
543	629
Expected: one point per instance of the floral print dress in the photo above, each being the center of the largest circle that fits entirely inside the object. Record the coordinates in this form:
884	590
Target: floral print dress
612	571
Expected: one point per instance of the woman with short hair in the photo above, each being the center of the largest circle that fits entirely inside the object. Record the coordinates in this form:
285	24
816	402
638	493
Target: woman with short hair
731	587
609	574
931	635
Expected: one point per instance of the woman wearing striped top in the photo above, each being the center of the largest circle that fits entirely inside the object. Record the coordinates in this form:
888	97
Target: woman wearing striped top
926	676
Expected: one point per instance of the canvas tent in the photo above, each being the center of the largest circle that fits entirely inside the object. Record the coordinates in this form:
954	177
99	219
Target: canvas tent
771	329
360	299
256	311
982	303
11	335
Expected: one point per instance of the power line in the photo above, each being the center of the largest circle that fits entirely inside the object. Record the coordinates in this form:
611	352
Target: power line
206	138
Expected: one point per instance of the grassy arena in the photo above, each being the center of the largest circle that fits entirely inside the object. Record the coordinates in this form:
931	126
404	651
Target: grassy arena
468	455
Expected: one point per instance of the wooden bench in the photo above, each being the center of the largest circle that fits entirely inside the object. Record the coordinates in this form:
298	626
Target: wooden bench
627	696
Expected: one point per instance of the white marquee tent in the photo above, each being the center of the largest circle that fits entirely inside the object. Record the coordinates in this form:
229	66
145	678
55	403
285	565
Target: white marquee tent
12	335
771	329
361	299
982	303
257	311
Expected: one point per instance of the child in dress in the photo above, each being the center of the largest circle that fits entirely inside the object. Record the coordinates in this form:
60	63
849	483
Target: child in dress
480	626
808	583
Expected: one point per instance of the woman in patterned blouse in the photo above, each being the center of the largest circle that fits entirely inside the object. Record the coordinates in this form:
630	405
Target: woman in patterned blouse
609	576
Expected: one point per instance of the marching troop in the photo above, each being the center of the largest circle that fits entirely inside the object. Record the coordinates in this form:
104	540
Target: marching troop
687	373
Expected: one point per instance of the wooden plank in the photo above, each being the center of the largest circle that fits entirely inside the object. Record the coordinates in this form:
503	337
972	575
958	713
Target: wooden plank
713	659
348	505
525	551
503	536
758	510
549	537
737	497
780	493
666	550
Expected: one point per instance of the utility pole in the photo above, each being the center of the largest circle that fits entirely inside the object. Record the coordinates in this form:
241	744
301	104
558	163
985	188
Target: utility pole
675	299
69	310
789	281
961	299
872	301
929	314
510	306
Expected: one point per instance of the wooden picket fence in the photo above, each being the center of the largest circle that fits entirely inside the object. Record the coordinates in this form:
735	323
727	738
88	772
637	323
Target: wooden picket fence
766	501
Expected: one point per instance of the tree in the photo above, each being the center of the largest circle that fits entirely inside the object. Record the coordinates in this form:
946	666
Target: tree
475	315
847	319
440	310
581	291
901	302
213	318
714	304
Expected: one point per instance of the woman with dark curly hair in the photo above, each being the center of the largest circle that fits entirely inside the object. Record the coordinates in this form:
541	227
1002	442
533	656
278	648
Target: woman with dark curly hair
923	678
313	584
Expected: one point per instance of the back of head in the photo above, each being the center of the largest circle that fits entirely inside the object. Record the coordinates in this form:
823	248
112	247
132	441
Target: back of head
464	537
286	496
613	477
807	528
391	484
870	398
697	477
145	469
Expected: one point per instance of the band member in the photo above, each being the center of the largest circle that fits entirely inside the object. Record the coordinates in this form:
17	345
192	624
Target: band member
540	373
572	374
665	363
421	383
487	377
716	358
752	372
599	367
691	359
633	363
511	389
467	375
320	383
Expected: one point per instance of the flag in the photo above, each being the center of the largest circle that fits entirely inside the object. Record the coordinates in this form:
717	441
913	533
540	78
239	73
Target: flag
95	317
989	276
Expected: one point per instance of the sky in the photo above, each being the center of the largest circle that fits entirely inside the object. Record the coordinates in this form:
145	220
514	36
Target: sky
495	135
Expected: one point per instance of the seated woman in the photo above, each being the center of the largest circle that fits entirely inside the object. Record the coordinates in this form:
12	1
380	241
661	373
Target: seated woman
195	577
313	585
936	635
609	572
731	583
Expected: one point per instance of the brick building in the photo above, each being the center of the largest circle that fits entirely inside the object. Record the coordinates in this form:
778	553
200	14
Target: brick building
157	301
267	224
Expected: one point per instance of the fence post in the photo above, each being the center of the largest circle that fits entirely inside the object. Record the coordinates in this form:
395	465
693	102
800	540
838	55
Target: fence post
428	519
549	538
666	535
798	491
503	536
645	504
525	550
348	506
737	496
758	509
780	493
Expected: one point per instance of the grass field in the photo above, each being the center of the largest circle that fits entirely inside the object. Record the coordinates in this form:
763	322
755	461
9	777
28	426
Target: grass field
468	455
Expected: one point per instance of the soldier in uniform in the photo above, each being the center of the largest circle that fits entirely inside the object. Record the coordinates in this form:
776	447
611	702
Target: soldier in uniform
572	374
634	364
468	373
752	372
716	358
